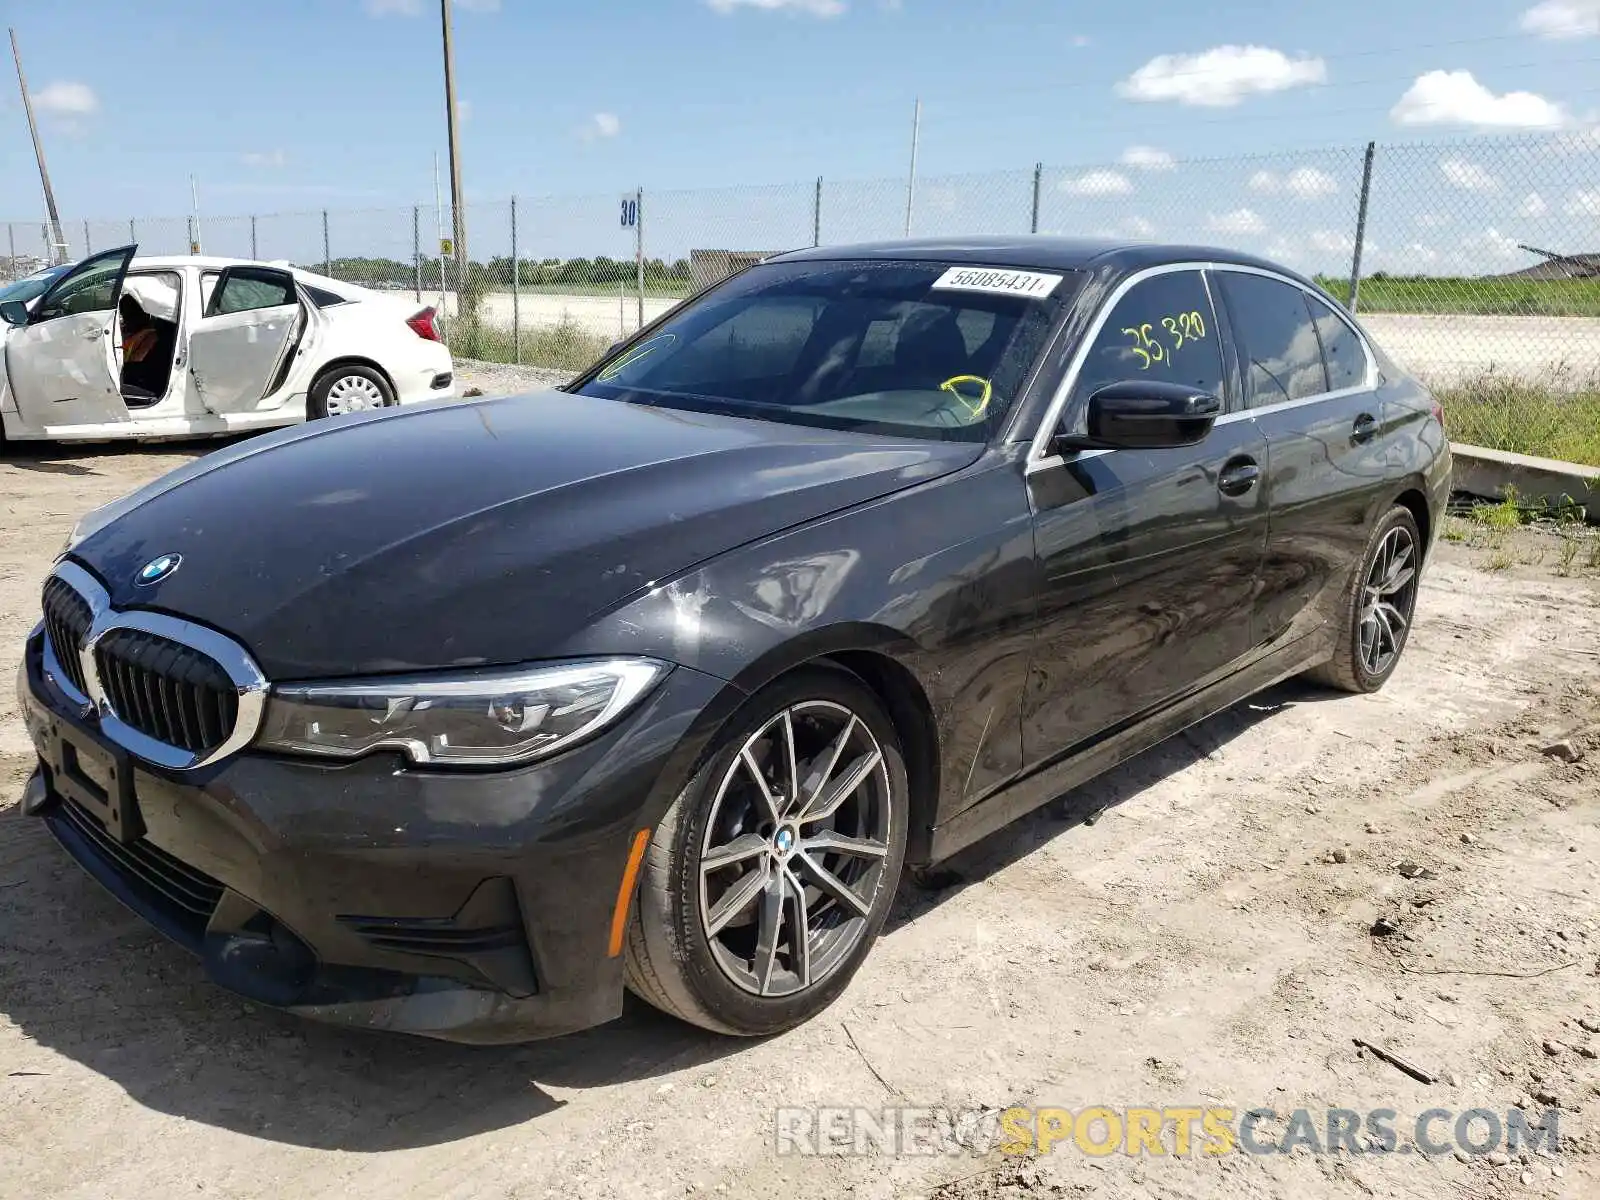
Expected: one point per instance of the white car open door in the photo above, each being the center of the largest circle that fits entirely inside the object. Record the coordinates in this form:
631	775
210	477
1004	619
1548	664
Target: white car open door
62	365
237	348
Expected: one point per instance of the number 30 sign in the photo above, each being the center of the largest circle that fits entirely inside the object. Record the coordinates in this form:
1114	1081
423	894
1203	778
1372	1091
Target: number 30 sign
630	211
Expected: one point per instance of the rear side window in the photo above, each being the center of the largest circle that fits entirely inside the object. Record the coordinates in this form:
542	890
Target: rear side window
1278	342
245	288
323	298
1163	328
1342	353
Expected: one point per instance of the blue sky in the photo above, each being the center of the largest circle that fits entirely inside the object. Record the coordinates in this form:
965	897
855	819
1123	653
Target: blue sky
303	104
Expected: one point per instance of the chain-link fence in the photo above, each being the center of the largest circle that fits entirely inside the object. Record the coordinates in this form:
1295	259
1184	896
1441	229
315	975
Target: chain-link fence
1475	263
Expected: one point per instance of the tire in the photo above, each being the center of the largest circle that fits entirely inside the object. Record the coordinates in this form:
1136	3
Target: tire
686	944
348	387
1377	608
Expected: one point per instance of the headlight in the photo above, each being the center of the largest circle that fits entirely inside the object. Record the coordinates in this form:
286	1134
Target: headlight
479	718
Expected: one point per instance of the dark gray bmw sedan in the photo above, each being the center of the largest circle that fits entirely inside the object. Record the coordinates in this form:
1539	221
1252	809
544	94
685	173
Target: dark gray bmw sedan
460	719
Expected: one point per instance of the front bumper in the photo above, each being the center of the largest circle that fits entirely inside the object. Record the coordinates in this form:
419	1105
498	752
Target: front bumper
469	907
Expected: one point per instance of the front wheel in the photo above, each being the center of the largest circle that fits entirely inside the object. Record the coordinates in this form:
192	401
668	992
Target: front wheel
348	389
1378	607
768	880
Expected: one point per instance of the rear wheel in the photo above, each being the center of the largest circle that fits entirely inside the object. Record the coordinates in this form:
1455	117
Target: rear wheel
769	878
1378	608
346	389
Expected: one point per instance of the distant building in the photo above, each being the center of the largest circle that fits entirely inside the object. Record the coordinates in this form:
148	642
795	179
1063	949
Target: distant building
1564	266
708	266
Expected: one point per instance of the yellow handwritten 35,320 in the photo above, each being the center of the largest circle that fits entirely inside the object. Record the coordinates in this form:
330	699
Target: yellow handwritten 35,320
1180	329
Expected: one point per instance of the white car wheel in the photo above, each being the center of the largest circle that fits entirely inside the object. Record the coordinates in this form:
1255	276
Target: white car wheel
353	393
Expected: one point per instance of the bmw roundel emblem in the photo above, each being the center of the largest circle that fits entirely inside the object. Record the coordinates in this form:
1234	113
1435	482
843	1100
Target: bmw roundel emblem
158	569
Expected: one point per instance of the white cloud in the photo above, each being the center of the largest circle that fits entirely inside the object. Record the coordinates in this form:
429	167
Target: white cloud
1098	183
601	125
1148	158
1456	98
1468	176
1308	183
1430	220
1563	19
1221	76
1494	244
1332	241
1081	40
1533	205
1240	220
393	8
66	99
1264	181
1137	227
811	8
1584	203
264	158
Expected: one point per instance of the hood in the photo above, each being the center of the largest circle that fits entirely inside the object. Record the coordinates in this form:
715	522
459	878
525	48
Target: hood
476	533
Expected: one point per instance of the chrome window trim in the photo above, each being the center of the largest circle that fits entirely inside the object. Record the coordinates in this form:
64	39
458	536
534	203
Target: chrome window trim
234	660
1039	457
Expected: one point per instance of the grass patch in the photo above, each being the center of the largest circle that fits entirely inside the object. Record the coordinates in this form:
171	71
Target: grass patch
1484	297
564	347
1511	414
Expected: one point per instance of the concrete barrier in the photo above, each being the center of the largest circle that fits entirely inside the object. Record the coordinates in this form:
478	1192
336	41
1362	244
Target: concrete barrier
1488	473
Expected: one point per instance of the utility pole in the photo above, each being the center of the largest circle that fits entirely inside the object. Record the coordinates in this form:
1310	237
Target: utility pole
457	200
911	183
58	242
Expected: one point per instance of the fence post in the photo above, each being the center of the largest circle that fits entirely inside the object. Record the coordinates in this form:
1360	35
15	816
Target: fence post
516	289
133	233
88	246
1038	179
816	215
254	251
194	247
638	253
327	256
1361	225
11	238
49	247
416	246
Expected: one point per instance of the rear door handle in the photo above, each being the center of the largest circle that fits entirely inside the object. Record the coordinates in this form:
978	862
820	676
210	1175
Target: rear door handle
1238	476
1365	427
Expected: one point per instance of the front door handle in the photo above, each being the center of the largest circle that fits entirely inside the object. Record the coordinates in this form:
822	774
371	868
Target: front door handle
1365	427
1238	476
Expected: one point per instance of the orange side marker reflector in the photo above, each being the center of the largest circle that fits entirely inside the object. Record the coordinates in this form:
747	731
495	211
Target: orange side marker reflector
630	875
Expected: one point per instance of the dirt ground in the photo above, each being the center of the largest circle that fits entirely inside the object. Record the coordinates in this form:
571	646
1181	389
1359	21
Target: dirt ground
1193	929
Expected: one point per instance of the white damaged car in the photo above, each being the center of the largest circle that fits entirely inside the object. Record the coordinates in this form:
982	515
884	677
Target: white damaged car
125	347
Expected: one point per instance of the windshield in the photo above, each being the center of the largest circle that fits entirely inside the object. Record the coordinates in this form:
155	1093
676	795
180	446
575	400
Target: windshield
916	349
33	286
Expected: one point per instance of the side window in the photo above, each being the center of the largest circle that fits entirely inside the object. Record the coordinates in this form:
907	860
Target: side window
208	288
1277	341
1342	352
1163	328
89	290
245	288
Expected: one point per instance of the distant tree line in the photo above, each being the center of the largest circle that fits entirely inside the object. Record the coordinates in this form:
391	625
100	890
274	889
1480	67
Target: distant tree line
498	272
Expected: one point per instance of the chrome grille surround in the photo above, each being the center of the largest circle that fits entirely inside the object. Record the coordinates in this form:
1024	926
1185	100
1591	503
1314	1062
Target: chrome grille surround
231	657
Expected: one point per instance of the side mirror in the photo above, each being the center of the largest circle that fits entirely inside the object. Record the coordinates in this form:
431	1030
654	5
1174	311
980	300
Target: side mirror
14	312
1146	414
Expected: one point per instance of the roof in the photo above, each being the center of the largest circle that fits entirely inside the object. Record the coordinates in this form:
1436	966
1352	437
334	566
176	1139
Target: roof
175	261
1036	252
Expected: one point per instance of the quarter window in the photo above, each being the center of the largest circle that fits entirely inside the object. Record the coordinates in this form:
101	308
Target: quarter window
1342	353
1282	356
1163	328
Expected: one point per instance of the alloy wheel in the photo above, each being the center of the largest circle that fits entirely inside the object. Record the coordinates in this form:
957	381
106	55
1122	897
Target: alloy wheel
794	849
353	393
1388	600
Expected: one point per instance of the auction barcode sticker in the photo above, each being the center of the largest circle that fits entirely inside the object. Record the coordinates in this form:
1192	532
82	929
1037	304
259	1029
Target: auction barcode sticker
1031	284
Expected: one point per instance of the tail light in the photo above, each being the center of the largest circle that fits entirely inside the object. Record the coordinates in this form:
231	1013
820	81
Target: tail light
422	325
